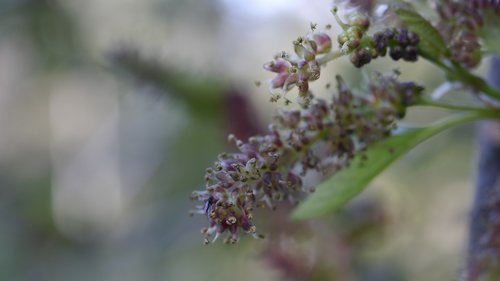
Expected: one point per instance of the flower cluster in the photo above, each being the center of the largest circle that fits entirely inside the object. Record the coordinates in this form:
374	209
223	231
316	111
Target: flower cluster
363	48
323	137
402	44
314	50
461	24
299	70
353	31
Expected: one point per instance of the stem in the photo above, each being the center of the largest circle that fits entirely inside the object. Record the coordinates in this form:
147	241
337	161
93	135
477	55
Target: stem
476	82
475	115
330	56
426	102
338	20
458	73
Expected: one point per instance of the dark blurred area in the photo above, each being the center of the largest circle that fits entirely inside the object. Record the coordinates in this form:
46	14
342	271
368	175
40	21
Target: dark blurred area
110	111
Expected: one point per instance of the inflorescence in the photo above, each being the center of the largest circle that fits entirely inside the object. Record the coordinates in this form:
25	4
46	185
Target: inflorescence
323	137
299	70
315	49
462	23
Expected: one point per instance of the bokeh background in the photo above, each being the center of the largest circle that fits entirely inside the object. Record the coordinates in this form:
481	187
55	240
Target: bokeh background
110	111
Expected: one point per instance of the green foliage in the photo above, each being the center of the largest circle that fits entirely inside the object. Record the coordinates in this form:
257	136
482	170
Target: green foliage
490	33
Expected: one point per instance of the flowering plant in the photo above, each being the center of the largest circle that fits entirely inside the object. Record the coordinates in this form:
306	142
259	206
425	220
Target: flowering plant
350	138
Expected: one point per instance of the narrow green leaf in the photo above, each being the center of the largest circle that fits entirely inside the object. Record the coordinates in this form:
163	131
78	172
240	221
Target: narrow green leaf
346	184
431	43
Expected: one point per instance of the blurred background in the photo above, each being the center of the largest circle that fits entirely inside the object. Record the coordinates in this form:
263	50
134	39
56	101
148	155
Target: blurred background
110	111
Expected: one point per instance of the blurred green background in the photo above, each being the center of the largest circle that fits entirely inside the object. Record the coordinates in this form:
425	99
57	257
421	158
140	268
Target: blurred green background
110	111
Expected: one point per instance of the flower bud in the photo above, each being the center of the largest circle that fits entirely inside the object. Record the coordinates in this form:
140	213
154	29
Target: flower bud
396	52
279	80
410	53
314	70
359	20
293	181
354	32
323	42
353	44
303	52
278	65
413	38
380	41
292	79
361	57
402	37
342	38
311	45
303	87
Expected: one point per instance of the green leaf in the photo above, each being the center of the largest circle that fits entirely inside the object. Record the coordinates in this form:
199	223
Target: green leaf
431	43
490	33
346	184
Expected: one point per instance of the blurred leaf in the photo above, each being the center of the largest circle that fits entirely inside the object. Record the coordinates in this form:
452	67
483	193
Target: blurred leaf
346	184
490	33
51	30
431	43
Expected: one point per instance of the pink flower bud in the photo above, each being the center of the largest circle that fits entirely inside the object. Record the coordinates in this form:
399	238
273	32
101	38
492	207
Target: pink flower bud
278	66
323	42
292	79
279	80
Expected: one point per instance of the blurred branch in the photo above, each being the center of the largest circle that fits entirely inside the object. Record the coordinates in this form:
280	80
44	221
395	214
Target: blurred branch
484	242
205	97
201	95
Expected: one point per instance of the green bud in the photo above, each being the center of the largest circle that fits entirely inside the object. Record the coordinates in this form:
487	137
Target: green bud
359	20
354	32
342	38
